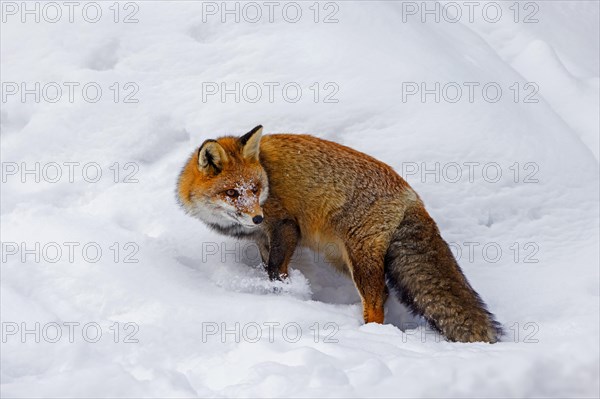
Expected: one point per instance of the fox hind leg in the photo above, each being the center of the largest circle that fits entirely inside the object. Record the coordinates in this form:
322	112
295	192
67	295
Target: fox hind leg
369	277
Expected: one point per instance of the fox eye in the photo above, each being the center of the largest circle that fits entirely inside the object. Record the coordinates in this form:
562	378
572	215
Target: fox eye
255	189
232	193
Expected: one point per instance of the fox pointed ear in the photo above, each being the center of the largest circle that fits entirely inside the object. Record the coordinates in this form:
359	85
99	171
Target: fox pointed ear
251	143
211	157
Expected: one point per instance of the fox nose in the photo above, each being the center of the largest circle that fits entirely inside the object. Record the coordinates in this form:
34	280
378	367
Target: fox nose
257	219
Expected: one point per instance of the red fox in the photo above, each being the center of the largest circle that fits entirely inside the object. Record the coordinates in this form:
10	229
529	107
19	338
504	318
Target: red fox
285	190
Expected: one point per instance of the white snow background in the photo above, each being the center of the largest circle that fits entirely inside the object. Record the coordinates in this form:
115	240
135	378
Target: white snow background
542	212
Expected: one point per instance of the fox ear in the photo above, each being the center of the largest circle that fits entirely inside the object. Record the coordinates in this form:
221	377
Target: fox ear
251	143
211	157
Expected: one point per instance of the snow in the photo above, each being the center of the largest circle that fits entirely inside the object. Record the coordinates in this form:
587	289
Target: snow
172	287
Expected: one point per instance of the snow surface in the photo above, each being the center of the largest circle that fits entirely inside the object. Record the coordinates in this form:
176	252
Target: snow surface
181	287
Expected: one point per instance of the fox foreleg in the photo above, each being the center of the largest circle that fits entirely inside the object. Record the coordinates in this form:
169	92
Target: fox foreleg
283	239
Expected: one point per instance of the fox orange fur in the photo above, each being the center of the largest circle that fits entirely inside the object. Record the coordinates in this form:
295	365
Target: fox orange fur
285	190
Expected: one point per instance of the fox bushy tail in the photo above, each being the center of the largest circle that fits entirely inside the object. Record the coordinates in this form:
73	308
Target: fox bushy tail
422	270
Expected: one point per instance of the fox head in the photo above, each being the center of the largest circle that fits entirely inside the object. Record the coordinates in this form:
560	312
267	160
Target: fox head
223	183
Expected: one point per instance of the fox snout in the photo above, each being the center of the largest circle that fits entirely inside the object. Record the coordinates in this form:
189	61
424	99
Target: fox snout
248	218
246	202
